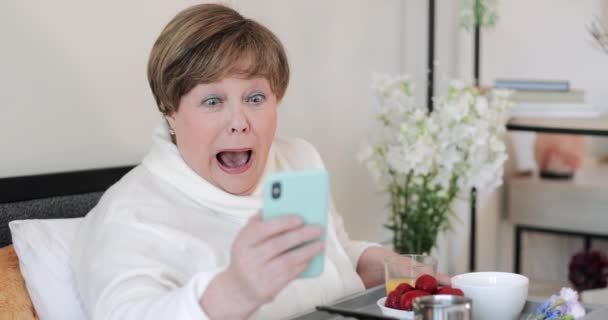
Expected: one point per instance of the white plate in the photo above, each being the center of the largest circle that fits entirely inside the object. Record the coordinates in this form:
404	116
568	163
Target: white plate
399	314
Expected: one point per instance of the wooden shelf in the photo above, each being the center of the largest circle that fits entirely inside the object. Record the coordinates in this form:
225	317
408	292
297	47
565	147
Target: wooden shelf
578	205
585	126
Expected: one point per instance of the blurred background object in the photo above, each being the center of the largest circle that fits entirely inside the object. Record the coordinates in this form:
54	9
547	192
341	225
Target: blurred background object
588	269
559	155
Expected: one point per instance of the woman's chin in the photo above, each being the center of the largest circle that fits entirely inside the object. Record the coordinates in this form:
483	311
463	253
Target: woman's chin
238	188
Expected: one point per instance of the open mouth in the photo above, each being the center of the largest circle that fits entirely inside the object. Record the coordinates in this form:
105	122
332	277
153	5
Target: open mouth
235	161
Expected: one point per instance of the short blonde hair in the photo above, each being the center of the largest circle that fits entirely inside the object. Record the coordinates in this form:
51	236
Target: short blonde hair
207	42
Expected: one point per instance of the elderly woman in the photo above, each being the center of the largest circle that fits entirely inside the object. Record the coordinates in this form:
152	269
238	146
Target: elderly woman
181	236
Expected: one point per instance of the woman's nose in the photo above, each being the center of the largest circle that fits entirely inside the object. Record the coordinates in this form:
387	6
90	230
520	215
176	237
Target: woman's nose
239	122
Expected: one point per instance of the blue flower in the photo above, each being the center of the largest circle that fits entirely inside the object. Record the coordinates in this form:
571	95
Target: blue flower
563	307
543	307
553	315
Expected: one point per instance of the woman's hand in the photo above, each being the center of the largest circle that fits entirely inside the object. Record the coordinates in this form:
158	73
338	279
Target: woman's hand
261	265
443	279
370	267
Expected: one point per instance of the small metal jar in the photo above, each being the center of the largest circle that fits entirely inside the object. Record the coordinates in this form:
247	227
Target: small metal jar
442	307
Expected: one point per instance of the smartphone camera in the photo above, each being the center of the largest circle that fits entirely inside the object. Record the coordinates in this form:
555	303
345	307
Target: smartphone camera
276	190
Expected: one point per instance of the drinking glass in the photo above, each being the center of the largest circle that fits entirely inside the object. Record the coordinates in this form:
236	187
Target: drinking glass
407	268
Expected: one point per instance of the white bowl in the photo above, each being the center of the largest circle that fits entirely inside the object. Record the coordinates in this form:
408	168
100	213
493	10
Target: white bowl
495	295
399	314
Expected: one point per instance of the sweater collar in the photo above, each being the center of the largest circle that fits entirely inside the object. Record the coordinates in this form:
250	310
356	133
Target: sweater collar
165	161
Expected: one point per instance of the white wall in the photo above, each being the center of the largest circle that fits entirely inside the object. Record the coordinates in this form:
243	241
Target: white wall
75	95
73	83
547	39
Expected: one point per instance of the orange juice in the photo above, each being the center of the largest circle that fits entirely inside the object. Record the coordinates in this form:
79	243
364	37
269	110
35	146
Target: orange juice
391	284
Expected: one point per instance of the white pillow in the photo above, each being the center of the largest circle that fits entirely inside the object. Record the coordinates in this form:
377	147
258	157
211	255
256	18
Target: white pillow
44	248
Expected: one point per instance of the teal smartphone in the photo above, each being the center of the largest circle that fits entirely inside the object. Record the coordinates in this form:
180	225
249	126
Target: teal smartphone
303	193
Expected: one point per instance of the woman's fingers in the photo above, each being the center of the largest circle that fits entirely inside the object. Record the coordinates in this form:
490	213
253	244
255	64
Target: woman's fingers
295	257
280	243
268	254
288	266
443	279
258	230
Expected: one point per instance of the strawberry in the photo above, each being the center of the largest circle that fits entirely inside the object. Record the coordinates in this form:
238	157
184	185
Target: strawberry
452	291
403	288
427	283
408	298
393	300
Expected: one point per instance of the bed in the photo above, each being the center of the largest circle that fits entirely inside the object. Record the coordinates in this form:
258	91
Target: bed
45	196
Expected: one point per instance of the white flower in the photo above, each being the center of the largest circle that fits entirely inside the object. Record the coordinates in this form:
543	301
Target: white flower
418	115
481	105
451	156
577	311
442	179
457	84
573	307
395	160
568	294
497	145
461	139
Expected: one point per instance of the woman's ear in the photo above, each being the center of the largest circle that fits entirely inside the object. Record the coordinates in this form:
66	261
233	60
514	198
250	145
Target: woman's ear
170	118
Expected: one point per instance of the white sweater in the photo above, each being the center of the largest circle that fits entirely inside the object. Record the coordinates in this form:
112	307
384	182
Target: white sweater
157	238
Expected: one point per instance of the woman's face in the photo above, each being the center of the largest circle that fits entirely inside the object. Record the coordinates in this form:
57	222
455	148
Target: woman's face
223	131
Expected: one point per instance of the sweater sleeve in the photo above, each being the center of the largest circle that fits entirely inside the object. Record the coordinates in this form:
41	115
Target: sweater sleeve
354	249
130	270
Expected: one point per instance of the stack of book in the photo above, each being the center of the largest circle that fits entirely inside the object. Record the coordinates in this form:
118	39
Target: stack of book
534	98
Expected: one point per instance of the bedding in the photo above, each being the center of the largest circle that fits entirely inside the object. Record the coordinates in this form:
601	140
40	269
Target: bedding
44	247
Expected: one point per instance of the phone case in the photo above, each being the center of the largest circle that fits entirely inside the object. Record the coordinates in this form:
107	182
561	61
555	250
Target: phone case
302	193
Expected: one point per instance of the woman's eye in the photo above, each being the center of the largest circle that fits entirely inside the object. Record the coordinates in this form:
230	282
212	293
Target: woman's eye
257	98
212	102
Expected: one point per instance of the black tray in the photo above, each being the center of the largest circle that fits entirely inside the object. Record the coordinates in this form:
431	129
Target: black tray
363	306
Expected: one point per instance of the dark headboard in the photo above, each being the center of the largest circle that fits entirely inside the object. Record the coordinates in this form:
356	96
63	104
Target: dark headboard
55	195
